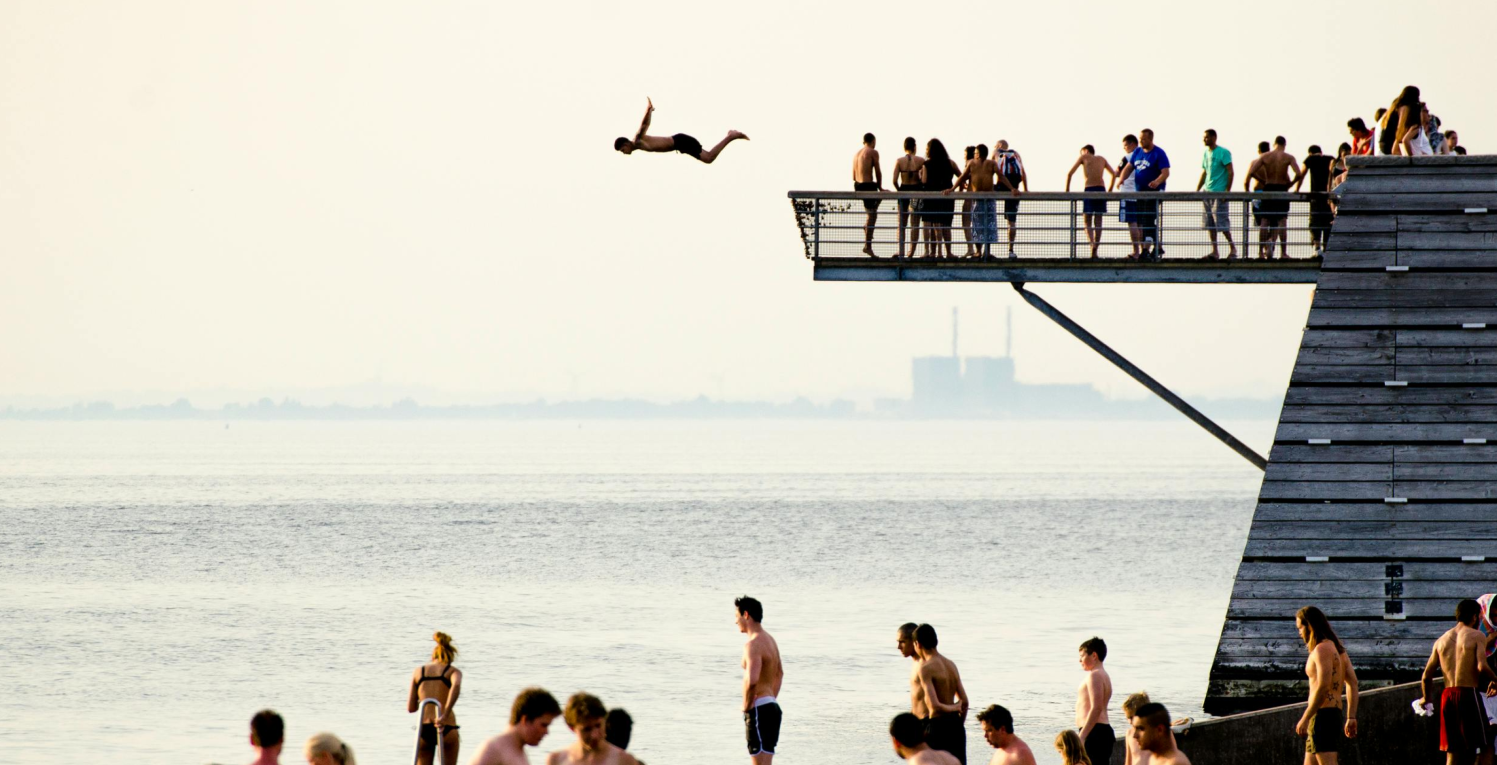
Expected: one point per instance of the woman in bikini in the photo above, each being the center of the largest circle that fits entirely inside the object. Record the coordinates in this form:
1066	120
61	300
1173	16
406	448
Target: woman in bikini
437	679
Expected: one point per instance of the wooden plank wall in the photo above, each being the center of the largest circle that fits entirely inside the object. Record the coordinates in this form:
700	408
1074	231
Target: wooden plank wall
1379	504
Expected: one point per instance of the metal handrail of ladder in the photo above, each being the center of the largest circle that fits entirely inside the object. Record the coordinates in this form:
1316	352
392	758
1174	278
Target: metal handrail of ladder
436	756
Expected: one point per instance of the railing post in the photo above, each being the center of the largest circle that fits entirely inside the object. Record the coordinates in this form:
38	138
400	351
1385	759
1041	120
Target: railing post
1247	212
816	220
1073	229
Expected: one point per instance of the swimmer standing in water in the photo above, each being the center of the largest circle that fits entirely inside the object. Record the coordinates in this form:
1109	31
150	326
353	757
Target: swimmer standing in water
437	679
763	674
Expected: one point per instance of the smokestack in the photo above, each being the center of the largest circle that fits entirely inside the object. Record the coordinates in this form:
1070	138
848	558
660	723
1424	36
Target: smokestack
953	332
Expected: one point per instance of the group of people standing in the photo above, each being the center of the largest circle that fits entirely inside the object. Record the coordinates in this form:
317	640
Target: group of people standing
933	731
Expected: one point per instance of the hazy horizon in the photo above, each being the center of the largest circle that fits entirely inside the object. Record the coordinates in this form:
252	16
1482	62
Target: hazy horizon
274	197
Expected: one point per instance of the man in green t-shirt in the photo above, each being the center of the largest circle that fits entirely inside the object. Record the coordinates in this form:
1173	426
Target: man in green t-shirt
1216	176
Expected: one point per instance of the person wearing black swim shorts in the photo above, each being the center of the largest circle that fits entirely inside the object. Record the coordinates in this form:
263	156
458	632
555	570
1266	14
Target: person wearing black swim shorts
763	674
868	175
679	142
1273	171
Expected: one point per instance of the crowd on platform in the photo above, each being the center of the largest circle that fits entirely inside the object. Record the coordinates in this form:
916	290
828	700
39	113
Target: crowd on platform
1405	127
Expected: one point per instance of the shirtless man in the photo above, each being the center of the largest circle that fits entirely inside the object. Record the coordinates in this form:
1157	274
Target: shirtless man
998	731
907	178
937	696
1272	170
1323	725
868	175
979	174
1092	697
1092	167
529	721
908	734
1460	656
1151	729
680	142
1133	754
762	675
587	717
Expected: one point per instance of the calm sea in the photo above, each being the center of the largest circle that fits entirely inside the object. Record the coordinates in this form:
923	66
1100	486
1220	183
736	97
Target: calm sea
160	582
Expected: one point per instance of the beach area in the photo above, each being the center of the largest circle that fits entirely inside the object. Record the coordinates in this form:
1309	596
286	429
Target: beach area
172	578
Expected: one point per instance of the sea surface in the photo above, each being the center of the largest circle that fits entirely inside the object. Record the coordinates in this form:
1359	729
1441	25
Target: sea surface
162	581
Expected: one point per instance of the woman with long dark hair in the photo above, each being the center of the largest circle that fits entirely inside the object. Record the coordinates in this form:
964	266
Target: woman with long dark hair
937	174
1402	115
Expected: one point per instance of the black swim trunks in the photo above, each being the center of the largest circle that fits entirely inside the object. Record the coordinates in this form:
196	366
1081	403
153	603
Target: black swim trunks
762	726
946	732
868	204
1327	731
427	733
1099	743
1274	210
687	145
1011	205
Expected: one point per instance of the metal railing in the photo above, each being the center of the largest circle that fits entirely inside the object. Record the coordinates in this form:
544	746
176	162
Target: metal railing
1054	225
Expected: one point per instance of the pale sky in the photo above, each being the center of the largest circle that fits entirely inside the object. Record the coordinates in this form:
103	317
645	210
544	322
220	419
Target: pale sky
272	196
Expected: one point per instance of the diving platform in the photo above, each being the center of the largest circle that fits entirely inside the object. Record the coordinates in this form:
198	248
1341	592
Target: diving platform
1050	238
1379	497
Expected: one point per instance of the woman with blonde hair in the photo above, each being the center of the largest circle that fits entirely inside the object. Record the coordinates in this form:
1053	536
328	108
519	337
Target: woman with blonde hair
327	749
439	680
1072	752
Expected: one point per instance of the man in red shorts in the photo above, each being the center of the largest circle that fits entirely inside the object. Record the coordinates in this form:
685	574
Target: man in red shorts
1460	656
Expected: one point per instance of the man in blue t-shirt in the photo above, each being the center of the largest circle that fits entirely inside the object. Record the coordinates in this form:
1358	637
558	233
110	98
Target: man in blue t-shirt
1150	169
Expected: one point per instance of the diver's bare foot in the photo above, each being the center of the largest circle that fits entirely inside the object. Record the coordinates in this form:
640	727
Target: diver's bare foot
868	250
732	134
650	103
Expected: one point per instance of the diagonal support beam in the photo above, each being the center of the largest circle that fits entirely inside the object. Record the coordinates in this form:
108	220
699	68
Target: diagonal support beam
1141	376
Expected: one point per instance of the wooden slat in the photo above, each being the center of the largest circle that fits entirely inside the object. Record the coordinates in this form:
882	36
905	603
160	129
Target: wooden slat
1365	298
1343	373
1343	356
1315	591
1445	318
1446	338
1382	395
1357	548
1295	471
1367	490
1375	432
1444	356
1410	280
1336	258
1416	201
1346	630
1444	471
1354	338
1412	570
1436	258
1385	531
1375	511
1329	453
1344	607
1445	490
1292	648
1423	183
1385	413
1404	454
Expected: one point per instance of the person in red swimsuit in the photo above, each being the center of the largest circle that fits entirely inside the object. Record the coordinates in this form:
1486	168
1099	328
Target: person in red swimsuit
1460	657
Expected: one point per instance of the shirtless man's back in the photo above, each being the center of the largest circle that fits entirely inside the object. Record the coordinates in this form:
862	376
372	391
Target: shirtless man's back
937	696
763	674
908	736
1460	657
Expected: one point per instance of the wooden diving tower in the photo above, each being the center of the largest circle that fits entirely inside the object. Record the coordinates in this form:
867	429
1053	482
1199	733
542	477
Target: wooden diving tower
1379	498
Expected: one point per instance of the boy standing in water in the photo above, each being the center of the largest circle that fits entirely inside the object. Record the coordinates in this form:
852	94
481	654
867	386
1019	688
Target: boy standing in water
587	717
1092	698
529	721
267	733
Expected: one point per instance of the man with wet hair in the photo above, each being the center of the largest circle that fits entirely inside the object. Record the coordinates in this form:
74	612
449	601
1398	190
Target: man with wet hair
908	734
530	719
1150	727
1092	697
904	640
937	696
587	717
868	175
998	730
1460	656
763	673
267	734
679	142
